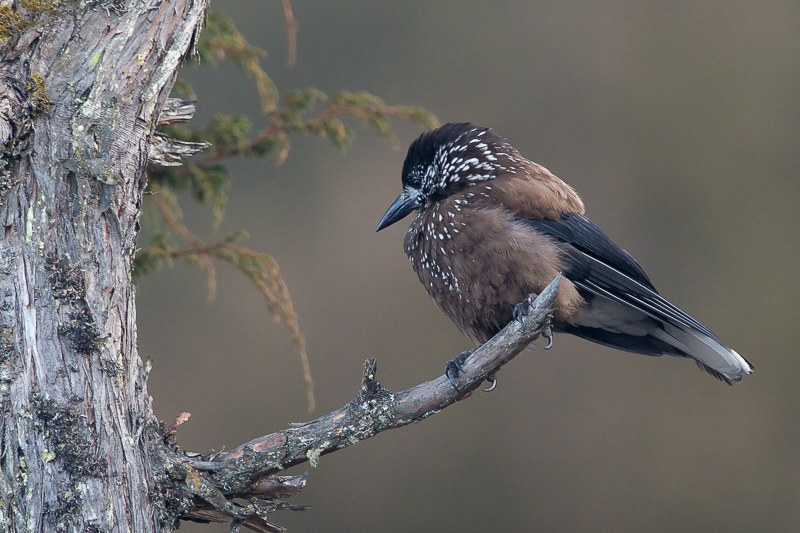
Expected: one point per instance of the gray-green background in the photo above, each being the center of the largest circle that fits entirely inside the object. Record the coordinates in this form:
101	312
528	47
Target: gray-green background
679	125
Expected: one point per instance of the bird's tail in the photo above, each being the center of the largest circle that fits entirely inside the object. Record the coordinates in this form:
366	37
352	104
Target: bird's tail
711	355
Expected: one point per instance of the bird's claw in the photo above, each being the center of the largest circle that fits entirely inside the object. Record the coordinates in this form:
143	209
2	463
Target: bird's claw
491	378
454	367
522	308
548	334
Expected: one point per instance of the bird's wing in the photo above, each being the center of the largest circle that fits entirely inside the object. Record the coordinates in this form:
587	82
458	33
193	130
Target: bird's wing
599	266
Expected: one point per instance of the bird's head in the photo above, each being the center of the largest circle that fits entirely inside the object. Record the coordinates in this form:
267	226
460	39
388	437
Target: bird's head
444	161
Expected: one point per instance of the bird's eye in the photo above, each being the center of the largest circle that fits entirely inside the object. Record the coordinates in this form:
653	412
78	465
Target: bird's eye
414	178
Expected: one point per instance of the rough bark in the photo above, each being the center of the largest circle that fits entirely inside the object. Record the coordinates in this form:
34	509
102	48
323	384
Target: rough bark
81	86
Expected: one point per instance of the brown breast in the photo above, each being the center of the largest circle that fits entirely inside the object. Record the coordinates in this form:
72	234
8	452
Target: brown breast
477	260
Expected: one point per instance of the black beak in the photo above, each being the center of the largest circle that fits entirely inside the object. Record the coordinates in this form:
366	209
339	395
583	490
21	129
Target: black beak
397	211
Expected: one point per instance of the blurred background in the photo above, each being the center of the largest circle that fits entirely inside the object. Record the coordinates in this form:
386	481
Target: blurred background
679	125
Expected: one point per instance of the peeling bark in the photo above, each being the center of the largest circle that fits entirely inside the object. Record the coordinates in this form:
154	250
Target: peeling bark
81	88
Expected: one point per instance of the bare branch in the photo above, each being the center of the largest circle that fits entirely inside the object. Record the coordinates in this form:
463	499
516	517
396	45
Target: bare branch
176	111
168	152
241	473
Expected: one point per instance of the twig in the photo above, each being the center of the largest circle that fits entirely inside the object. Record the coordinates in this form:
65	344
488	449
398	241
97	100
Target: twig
274	131
291	31
269	285
171	221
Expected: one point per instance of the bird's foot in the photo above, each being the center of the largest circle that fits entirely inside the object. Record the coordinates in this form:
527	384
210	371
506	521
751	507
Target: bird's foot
491	378
522	308
455	367
548	334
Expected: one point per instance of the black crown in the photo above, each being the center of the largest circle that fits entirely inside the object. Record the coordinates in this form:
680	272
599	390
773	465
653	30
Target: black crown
454	155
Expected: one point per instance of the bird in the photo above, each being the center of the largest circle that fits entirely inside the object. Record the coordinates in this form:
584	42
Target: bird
492	227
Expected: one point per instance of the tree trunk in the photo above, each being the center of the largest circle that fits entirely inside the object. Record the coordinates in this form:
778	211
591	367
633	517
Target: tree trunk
81	87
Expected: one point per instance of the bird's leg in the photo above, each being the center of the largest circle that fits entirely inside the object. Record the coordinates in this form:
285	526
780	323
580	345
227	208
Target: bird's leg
456	366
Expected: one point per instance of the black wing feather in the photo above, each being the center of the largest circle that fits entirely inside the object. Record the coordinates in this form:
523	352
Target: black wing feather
584	235
599	266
